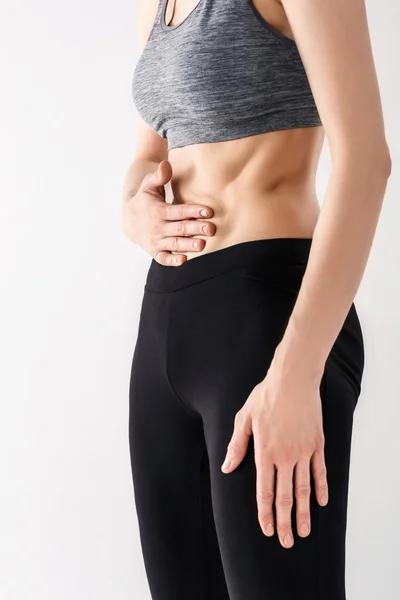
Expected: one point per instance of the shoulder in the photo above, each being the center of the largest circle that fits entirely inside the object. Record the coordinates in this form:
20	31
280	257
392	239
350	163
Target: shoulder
335	47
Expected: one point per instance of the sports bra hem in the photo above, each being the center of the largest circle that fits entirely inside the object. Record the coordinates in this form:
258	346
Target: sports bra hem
192	135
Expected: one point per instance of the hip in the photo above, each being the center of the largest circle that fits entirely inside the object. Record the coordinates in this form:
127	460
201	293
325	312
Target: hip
232	306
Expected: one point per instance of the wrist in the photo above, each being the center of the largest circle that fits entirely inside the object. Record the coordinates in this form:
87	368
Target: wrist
294	362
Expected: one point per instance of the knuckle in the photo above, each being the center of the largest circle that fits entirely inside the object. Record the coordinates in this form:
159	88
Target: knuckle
308	450
265	496
180	228
168	212
263	449
303	490
265	517
147	179
158	243
320	473
175	244
158	212
155	231
233	446
303	517
323	488
286	456
238	419
258	420
284	501
171	260
320	441
283	463
180	211
284	528
287	461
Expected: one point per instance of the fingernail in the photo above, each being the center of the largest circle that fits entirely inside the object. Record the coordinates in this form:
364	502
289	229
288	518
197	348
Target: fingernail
196	244
205	229
227	464
270	529
203	213
324	499
288	540
304	529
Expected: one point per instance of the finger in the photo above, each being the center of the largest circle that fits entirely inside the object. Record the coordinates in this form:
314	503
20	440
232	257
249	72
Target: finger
182	244
180	212
284	504
302	491
318	468
187	228
169	260
155	182
265	489
239	442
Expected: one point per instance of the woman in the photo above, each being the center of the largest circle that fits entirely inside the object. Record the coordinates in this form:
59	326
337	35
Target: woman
249	356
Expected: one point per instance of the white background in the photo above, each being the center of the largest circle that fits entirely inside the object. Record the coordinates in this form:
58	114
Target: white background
70	292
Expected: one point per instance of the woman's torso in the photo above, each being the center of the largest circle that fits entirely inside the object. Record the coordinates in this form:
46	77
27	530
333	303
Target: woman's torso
259	186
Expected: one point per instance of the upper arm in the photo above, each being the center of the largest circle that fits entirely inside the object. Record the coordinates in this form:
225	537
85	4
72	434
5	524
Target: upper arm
147	14
334	43
149	143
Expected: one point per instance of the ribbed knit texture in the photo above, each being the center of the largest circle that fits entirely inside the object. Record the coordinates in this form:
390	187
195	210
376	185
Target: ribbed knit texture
220	74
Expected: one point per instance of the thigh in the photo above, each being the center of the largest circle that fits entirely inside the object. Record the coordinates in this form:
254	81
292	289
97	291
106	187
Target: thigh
258	567
232	325
170	474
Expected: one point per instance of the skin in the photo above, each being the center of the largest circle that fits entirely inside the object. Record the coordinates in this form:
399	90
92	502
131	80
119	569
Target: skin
264	186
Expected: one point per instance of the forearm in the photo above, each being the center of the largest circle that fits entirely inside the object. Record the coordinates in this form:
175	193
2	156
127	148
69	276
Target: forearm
339	251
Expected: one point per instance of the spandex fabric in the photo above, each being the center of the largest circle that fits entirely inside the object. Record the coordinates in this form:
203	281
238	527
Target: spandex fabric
207	333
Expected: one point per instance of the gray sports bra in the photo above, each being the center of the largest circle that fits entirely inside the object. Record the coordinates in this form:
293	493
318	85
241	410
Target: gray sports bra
220	74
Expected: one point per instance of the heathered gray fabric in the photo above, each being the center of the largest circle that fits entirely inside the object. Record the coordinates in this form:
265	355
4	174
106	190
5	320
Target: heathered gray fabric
220	74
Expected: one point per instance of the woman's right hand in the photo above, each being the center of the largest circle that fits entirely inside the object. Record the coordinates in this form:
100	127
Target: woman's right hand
160	227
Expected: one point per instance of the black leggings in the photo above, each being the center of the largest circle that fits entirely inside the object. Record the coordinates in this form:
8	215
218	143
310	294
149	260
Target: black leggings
207	333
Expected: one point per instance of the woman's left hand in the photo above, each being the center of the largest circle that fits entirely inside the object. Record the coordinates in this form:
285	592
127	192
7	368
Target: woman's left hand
284	415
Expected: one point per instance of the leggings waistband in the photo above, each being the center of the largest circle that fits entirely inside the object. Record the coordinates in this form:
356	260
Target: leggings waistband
268	252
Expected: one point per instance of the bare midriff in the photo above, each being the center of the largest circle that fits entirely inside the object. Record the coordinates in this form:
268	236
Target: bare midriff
259	187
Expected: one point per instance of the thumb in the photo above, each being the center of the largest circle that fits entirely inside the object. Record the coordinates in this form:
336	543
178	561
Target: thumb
155	182
162	174
239	442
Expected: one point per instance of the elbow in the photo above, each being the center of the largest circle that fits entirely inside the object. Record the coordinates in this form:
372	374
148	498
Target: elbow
380	161
371	161
386	163
378	168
